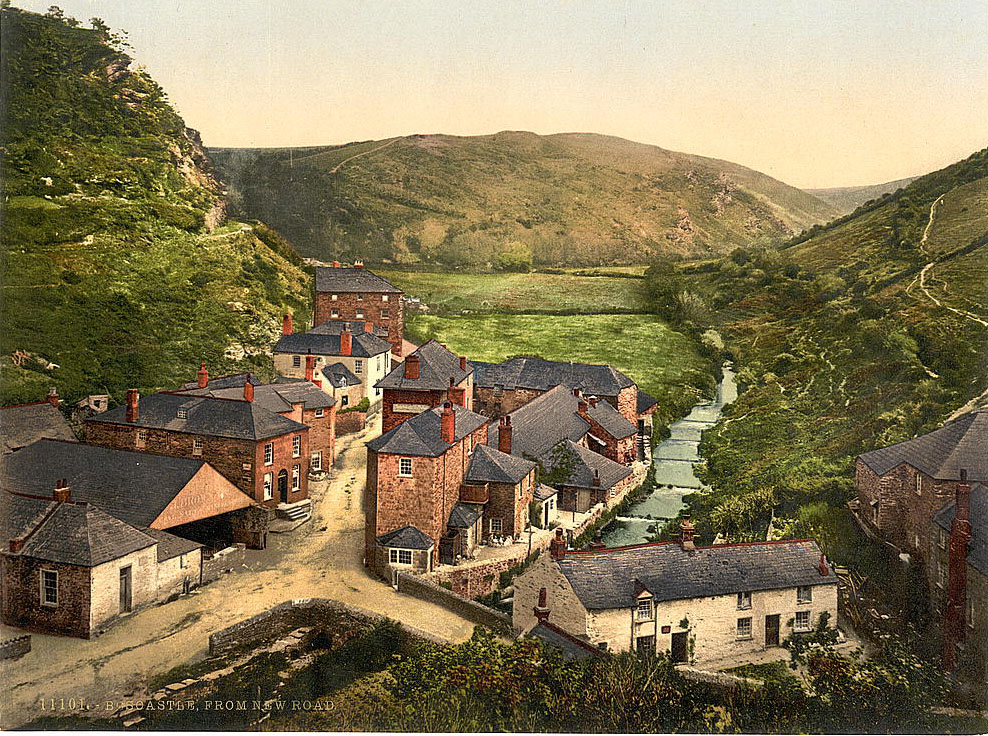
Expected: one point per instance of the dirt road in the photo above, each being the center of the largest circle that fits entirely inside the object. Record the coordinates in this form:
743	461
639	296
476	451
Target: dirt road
322	559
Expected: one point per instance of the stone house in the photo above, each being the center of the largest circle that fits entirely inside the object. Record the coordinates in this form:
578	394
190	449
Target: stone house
958	578
902	487
724	604
343	385
354	345
262	453
425	379
24	424
359	295
72	569
299	399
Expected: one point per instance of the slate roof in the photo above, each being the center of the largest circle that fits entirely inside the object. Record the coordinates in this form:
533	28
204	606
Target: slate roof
408	537
541	375
335	327
645	402
544	492
362	344
610	419
337	374
941	454
465	515
206	416
489	465
420	435
437	365
231	381
569	646
608	578
543	423
169	545
277	397
589	466
81	534
135	487
22	425
20	514
346	280
977	553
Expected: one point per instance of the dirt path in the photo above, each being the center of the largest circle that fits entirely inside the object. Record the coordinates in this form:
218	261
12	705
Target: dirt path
358	155
322	559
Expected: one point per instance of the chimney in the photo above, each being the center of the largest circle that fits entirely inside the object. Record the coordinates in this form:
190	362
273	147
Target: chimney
249	388
16	545
954	628
346	340
336	264
577	392
286	324
597	542
463	363
557	547
686	532
596	478
62	493
133	399
448	423
53	396
358	264
369	327
310	368
593	402
504	435
412	367
824	567
202	376
582	407
541	611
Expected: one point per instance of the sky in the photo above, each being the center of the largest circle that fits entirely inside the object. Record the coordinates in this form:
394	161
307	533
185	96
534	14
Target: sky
817	93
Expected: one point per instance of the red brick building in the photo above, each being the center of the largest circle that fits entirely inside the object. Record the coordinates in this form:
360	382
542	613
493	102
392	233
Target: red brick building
902	487
263	453
359	295
427	377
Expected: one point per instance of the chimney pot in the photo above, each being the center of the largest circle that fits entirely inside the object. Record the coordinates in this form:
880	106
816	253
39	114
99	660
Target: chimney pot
824	567
202	376
336	264
576	392
596	479
963	474
593	402
368	327
557	547
53	397
310	367
541	610
686	532
582	407
249	388
286	324
346	340
133	404
62	492
412	367
463	363
16	545
358	264
448	423
504	435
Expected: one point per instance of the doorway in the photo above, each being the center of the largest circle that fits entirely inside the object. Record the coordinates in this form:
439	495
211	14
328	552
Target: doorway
126	596
679	648
772	630
283	486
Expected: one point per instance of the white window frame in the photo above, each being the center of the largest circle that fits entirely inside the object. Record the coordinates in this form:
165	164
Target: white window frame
296	361
334	312
804	594
334	297
269	453
919	484
183	413
360	297
398	556
320	413
297	445
385	314
296	477
197	445
405	467
358	366
643	611
942	539
384	297
808	626
744	600
970	612
268	486
497	526
360	313
44	589
315	461
142	437
745	630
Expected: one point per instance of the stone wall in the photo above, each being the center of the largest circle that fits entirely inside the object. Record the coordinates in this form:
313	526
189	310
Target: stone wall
420	399
486	403
508	505
322	433
17	647
372	308
22	597
424	589
179	574
222	562
105	586
565	609
350	422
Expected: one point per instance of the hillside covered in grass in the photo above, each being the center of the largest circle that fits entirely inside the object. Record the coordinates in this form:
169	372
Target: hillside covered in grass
118	269
511	198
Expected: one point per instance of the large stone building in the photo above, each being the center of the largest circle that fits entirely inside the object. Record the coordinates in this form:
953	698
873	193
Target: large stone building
958	576
720	605
426	378
903	486
353	346
263	453
359	295
26	423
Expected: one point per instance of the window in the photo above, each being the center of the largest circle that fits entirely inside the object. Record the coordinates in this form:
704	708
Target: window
320	413
334	297
645	644
267	486
360	297
400	556
334	312
802	620
744	628
142	437
183	561
496	526
744	601
970	612
296	361
360	313
379	359
405	467
49	588
183	413
297	446
358	367
344	399
804	594
197	445
384	298
296	477
943	539
919	484
385	314
941	575
269	453
644	610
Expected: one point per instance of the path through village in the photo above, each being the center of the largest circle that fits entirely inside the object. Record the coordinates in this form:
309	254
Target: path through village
321	559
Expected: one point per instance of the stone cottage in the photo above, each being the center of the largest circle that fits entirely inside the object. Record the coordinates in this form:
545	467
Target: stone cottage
426	378
357	294
24	424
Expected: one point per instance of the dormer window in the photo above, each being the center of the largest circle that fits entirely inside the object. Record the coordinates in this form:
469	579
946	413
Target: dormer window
644	610
744	600
183	413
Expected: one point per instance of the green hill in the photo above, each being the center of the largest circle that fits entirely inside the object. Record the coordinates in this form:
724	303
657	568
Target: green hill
567	199
848	199
117	266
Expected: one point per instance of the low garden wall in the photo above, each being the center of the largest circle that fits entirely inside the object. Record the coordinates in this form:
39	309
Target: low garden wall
424	589
350	422
222	562
13	648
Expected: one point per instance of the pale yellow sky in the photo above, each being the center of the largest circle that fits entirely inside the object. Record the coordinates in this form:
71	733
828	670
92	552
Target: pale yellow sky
821	93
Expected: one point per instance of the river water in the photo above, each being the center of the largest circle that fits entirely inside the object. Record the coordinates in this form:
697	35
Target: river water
673	459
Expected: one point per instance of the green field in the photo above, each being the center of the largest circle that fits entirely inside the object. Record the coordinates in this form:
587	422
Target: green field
457	293
665	363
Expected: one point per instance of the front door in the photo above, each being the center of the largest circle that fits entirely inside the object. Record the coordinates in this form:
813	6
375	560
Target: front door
772	630
126	601
283	486
678	650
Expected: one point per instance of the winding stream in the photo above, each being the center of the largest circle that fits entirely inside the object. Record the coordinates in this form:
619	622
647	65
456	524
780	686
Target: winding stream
673	459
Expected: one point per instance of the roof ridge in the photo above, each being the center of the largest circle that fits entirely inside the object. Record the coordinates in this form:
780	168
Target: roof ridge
706	546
